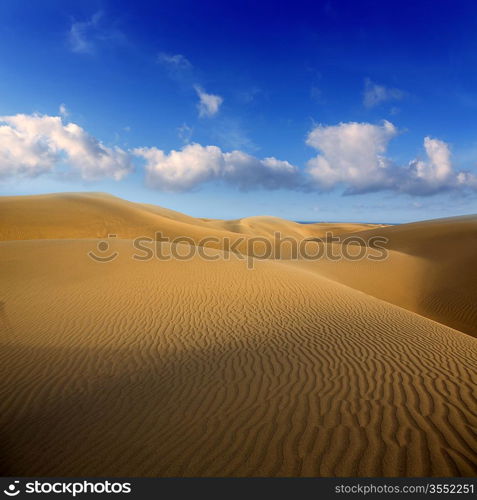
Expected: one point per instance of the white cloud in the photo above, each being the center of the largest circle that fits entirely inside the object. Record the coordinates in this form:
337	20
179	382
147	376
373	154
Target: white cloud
209	104
195	164
23	154
35	144
438	169
375	94
436	173
353	155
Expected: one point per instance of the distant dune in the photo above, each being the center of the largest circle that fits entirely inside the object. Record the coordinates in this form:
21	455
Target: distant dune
95	215
206	368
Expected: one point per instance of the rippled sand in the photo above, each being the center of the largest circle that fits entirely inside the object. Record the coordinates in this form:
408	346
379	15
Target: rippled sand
206	368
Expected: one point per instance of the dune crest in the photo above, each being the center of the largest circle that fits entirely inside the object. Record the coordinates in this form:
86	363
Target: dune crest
95	215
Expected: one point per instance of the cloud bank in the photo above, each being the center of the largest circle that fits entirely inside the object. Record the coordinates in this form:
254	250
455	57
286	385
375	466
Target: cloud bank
350	156
195	164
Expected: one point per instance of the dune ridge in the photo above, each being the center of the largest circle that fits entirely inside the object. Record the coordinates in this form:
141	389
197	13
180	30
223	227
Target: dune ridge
95	215
206	368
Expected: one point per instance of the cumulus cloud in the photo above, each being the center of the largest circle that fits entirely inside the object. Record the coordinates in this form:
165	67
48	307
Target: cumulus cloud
34	144
436	173
195	164
209	104
350	155
438	169
353	155
375	94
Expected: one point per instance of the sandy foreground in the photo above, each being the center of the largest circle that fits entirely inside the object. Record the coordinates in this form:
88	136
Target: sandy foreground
208	368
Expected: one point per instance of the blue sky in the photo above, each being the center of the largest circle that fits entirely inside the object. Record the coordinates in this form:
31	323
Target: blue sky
335	110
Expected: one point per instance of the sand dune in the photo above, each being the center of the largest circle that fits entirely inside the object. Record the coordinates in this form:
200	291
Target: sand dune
92	215
267	226
205	368
431	270
95	215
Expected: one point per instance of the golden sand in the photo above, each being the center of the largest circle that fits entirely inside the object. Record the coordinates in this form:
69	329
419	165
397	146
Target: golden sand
206	368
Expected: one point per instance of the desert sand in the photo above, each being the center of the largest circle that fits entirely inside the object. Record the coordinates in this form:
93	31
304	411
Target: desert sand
208	368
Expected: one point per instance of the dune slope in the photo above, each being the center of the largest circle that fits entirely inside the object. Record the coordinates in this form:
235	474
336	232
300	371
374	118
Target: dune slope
431	269
206	369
